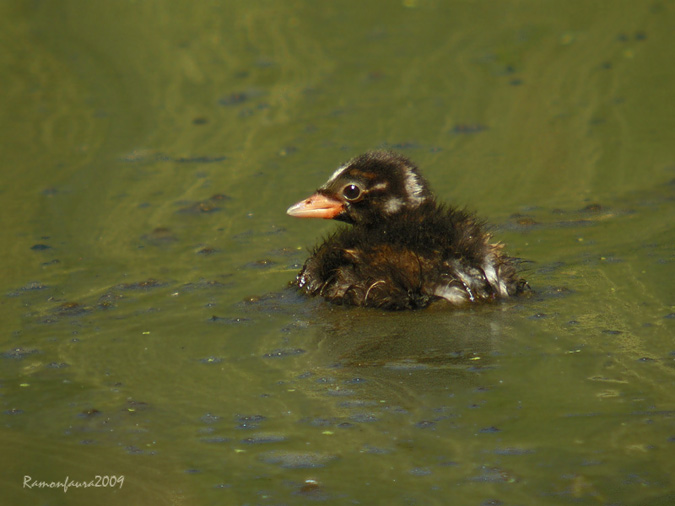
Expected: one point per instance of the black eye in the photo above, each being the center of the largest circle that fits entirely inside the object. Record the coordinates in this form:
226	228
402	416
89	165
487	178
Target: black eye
351	192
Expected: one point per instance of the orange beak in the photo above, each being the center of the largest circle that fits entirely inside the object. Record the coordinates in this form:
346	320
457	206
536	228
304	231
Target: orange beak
316	206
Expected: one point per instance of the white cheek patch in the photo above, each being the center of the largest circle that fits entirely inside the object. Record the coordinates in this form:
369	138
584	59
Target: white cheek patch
393	205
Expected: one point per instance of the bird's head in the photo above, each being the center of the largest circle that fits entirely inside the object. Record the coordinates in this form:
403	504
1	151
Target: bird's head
372	187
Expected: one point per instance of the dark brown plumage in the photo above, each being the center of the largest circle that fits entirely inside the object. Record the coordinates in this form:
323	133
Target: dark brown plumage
403	250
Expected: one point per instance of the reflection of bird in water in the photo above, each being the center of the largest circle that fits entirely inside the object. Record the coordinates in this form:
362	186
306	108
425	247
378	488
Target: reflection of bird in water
404	249
433	340
400	358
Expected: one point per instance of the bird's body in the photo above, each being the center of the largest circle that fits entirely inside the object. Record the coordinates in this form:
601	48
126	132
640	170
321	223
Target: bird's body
403	250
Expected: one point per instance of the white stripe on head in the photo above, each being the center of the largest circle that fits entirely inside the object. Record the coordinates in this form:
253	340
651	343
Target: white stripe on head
413	187
380	186
337	173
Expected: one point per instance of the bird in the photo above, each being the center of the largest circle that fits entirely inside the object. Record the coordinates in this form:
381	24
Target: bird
400	248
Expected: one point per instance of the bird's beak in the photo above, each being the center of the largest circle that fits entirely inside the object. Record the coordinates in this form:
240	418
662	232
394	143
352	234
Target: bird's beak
316	206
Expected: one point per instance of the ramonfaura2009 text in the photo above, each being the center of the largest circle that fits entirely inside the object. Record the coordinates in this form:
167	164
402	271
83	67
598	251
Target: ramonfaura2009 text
99	481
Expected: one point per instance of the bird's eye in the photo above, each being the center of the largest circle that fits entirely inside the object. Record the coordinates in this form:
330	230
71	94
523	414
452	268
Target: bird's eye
352	192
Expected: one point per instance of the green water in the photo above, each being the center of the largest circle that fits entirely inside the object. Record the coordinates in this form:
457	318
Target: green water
149	152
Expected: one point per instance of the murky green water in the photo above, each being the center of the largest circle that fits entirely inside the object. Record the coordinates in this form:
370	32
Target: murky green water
149	152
